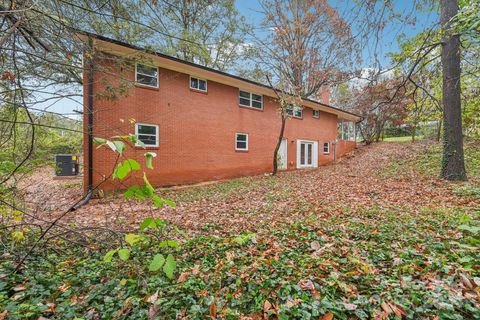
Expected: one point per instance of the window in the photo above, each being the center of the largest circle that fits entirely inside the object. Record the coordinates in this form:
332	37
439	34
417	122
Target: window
295	111
346	130
251	100
326	147
147	133
241	141
146	75
316	113
306	150
198	84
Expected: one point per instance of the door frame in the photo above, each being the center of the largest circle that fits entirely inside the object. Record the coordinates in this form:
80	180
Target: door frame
314	155
284	165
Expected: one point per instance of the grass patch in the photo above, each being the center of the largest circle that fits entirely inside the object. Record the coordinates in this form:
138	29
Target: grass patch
402	139
429	162
468	191
72	184
221	190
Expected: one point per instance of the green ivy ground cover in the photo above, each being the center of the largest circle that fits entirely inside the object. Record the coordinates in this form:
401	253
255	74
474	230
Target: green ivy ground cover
354	265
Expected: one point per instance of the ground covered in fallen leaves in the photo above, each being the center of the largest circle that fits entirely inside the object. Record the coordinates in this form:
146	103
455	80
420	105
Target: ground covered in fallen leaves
376	176
376	235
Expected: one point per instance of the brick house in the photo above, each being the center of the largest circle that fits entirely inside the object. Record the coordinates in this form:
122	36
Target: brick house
203	124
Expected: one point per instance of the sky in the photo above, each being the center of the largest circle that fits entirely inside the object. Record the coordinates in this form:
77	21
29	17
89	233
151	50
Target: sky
252	11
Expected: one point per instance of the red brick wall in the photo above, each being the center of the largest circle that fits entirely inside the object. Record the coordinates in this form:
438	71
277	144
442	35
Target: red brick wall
197	131
343	147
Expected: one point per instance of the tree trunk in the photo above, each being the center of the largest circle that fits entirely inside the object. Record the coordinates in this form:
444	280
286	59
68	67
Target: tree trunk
414	132
378	132
279	142
439	130
453	165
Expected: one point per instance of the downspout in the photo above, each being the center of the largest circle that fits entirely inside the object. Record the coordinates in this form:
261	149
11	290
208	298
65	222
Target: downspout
335	150
89	112
90	117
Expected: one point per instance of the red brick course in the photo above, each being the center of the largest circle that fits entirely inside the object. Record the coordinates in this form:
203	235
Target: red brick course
197	131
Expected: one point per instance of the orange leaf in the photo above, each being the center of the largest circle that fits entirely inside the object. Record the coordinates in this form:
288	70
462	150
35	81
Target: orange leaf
398	310
465	281
183	276
51	307
213	310
267	306
327	316
306	285
386	308
196	269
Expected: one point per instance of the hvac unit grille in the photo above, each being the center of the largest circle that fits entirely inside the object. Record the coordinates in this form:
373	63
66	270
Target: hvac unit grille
66	165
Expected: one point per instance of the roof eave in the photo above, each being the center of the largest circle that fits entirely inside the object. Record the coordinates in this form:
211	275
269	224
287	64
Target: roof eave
115	47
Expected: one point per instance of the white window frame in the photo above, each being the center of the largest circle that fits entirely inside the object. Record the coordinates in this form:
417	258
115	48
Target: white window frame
236	140
157	134
328	148
347	130
198	79
147	75
250	99
293	109
316	113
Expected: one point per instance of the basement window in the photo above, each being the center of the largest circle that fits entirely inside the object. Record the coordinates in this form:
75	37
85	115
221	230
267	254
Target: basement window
251	100
295	111
146	75
198	84
241	141
316	113
147	133
326	147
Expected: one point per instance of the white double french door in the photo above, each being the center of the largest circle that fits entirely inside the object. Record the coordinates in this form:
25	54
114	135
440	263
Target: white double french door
307	154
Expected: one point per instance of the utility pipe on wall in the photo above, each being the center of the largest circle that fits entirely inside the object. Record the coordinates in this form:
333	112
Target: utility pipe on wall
89	113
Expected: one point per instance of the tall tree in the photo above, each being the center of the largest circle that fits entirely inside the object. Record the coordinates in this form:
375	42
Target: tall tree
306	45
123	20
419	63
453	164
208	32
368	102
